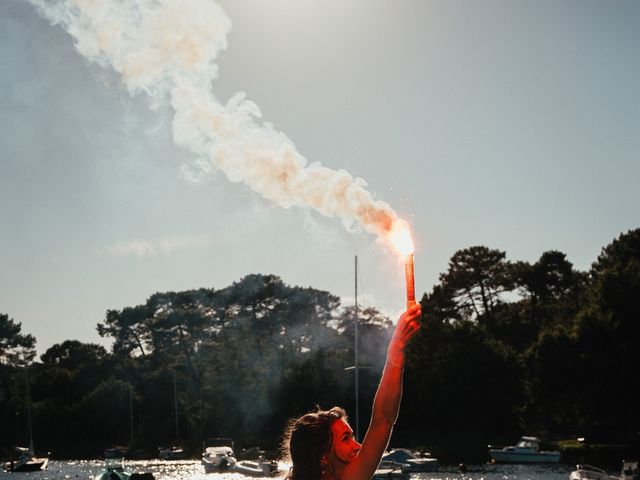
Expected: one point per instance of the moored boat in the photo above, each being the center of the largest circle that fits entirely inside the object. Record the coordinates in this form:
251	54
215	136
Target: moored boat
589	472
218	457
527	450
410	460
114	470
390	473
26	461
175	451
630	470
116	452
256	468
172	453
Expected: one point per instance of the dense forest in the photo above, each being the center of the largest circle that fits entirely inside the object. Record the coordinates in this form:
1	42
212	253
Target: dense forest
506	348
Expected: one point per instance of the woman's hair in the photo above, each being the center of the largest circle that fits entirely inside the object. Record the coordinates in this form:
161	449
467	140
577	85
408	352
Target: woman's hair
306	439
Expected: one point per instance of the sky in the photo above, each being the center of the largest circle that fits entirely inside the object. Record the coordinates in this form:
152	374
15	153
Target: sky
509	124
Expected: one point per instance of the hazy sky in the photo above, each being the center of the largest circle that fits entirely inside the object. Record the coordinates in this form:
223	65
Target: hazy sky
510	124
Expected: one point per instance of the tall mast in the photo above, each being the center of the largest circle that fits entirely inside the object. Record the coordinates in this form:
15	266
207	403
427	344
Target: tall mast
356	351
26	382
356	365
131	409
175	404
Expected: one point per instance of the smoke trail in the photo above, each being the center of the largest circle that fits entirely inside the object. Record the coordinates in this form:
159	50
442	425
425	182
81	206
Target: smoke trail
168	48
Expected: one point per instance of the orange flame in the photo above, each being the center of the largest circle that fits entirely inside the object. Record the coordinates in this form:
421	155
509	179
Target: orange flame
399	238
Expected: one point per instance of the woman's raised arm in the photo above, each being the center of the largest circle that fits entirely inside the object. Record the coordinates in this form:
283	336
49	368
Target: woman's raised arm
387	400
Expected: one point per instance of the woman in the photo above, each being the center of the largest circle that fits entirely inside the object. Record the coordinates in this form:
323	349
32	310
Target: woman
321	445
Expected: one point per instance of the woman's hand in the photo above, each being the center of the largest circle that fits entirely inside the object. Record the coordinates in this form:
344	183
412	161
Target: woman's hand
408	325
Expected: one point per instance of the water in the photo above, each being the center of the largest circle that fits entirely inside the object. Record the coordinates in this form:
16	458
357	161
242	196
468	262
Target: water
193	470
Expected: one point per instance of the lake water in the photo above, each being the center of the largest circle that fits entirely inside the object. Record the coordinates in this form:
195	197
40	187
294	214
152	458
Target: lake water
193	470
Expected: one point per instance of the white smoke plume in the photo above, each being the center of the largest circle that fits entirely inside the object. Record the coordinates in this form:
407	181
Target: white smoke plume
168	49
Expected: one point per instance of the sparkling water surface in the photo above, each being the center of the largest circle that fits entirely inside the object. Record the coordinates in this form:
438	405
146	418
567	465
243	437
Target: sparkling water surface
193	470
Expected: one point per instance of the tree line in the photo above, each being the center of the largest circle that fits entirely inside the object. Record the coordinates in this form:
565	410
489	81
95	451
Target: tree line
506	348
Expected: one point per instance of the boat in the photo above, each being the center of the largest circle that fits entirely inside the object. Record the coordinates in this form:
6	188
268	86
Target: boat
527	450
116	452
26	461
629	471
390	473
256	468
410	461
172	453
218	457
589	472
119	451
114	470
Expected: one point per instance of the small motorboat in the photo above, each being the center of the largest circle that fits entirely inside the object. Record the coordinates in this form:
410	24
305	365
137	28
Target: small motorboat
390	473
589	472
630	470
256	468
26	461
527	450
410	460
116	452
218	457
172	453
114	470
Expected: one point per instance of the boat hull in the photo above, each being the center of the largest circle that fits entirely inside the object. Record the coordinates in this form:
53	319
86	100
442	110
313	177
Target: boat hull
409	461
502	456
32	465
588	472
172	454
390	473
420	465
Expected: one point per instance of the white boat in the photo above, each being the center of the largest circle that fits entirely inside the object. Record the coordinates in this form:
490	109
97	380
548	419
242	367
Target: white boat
26	459
390	473
589	472
527	450
218	457
256	468
410	460
630	470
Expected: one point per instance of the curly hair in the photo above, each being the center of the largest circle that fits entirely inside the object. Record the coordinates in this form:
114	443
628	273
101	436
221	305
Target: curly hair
306	439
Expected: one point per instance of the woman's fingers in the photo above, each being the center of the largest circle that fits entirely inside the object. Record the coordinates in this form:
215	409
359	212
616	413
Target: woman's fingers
408	324
412	324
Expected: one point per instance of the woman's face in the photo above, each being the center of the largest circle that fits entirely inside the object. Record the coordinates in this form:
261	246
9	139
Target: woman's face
344	446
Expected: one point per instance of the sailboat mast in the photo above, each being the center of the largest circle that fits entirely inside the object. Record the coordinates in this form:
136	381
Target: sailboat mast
131	409
26	383
175	405
356	351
